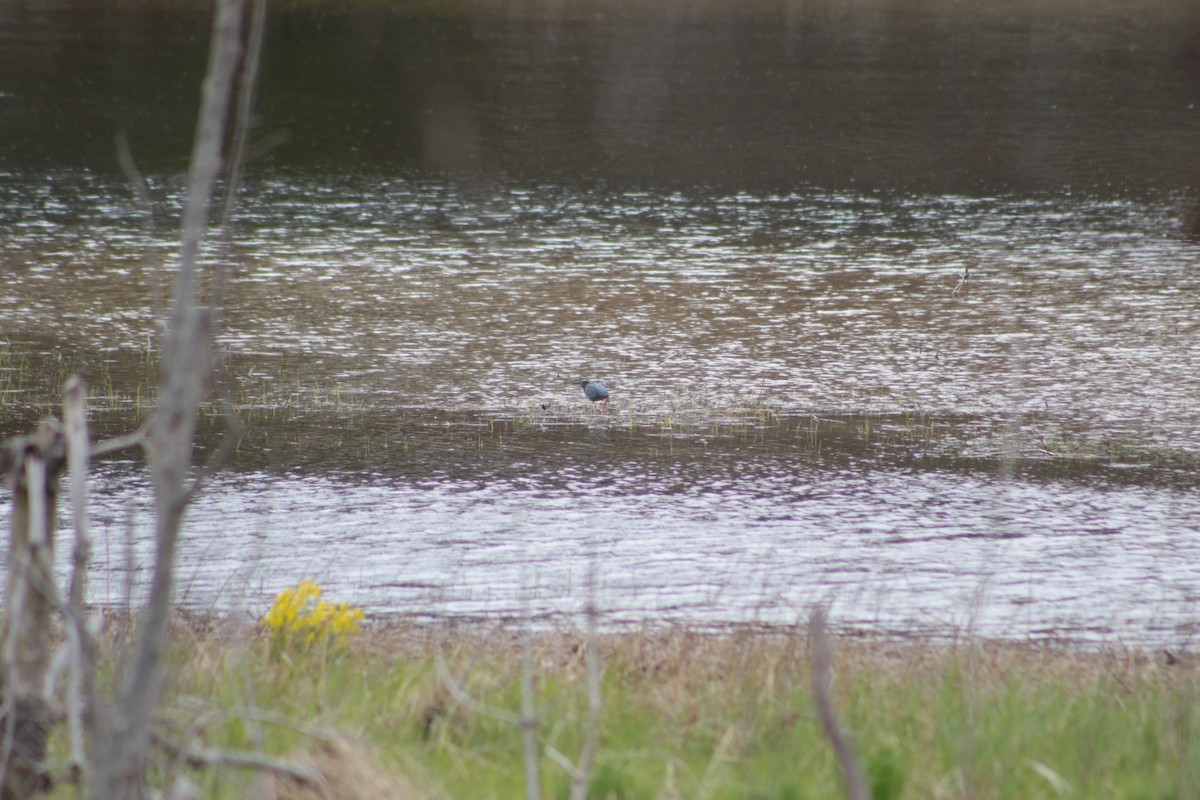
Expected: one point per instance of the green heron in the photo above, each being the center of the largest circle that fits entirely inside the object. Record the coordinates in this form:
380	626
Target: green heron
595	391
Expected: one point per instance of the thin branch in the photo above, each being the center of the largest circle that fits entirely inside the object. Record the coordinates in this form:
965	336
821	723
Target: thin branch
189	735
229	440
587	755
200	757
185	366
1032	452
557	757
238	155
469	702
76	430
141	190
145	204
35	481
529	743
857	787
129	558
258	715
135	439
526	720
247	86
581	774
962	280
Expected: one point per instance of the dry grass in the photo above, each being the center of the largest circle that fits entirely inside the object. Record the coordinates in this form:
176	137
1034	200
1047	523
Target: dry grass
343	770
687	713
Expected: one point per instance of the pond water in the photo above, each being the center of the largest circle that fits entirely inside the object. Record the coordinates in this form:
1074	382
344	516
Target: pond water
959	399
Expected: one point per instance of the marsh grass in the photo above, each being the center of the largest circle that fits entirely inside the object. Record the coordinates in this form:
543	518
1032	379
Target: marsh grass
33	379
702	715
283	408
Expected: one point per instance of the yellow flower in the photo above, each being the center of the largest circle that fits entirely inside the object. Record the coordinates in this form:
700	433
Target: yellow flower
300	615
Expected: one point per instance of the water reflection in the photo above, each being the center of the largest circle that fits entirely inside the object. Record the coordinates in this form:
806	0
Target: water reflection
707	529
429	295
933	97
806	403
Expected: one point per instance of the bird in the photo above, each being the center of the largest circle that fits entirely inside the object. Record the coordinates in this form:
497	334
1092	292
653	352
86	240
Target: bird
595	391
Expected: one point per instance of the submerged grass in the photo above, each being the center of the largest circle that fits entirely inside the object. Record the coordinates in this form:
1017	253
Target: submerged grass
698	715
286	414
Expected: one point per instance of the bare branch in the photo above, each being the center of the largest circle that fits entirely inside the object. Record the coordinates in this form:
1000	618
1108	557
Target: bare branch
81	693
557	757
229	440
185	367
595	702
526	720
141	190
529	743
76	430
32	464
247	86
469	702
135	439
581	774
962	280
145	205
32	591
257	715
201	757
857	787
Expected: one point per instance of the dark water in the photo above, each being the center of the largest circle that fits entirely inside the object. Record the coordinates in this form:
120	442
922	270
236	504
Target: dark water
930	95
753	222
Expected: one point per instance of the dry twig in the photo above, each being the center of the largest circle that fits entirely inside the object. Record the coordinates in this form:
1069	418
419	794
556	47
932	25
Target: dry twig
528	719
81	692
185	367
857	787
199	756
581	773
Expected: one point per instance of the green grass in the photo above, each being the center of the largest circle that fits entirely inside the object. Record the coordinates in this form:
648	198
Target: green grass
694	715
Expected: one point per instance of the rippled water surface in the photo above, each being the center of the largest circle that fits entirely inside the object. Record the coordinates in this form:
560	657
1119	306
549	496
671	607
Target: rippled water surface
436	297
899	304
686	533
809	401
